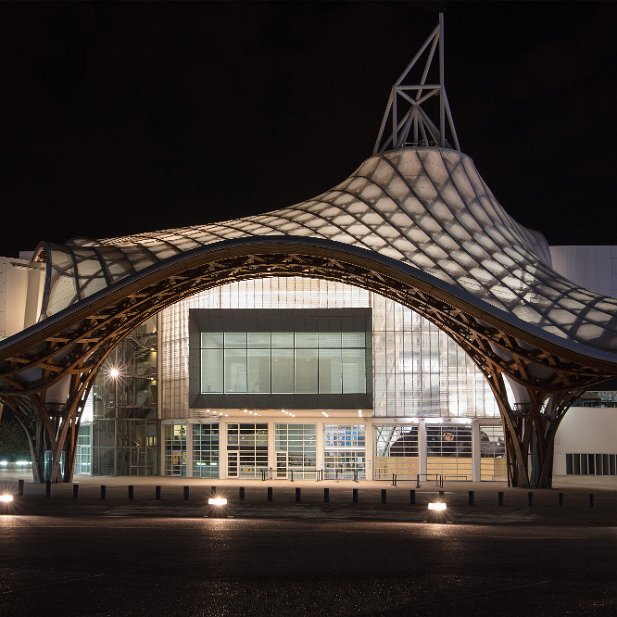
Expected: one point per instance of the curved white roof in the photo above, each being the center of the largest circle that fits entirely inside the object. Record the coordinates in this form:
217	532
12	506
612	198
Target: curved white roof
427	208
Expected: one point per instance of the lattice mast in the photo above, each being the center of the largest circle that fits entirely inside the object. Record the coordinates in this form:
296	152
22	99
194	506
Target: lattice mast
406	122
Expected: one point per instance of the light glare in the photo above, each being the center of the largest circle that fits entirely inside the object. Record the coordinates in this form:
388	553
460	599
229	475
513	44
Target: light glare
6	498
437	506
217	501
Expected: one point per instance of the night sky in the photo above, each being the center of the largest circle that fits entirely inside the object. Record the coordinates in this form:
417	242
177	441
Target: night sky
121	118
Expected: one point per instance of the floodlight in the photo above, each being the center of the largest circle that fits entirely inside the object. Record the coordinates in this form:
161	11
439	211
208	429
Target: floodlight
438	506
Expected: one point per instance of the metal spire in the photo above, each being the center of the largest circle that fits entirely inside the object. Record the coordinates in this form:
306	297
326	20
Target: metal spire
405	122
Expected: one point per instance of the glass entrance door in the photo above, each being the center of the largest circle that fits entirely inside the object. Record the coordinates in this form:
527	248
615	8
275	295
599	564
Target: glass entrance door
281	464
233	458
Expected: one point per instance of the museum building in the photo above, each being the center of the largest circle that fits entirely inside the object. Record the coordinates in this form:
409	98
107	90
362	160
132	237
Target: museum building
394	326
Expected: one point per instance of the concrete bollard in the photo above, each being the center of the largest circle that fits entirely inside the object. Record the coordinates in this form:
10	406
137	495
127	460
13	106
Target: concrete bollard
103	491
591	500
48	489
530	498
561	500
412	497
241	493
186	492
298	495
326	495
270	493
157	492
384	495
471	498
20	488
354	495
131	491
500	496
75	491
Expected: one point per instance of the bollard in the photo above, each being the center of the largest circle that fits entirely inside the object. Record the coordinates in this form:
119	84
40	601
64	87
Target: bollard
418	480
500	495
412	497
241	494
291	473
354	495
157	492
131	491
591	500
186	492
326	495
48	489
394	479
530	498
75	491
384	495
298	495
212	491
561	500
471	500
20	489
270	491
103	491
441	493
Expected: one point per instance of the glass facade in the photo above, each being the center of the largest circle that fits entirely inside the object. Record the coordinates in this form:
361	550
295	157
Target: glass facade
493	453
296	451
344	452
247	450
283	362
205	450
396	452
449	449
175	449
120	417
417	370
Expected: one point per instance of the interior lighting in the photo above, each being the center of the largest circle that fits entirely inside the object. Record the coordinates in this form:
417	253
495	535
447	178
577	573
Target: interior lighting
114	373
3	463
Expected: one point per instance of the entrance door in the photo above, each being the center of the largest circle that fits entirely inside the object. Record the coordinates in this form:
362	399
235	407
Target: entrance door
233	458
281	464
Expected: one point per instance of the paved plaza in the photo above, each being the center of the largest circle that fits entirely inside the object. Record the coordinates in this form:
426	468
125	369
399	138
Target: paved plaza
572	501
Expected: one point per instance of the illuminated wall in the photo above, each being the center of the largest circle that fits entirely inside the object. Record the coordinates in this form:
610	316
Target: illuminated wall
418	371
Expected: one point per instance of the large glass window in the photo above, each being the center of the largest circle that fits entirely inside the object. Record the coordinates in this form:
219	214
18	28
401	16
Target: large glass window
493	452
396	452
206	450
449	451
283	362
296	451
175	449
247	450
344	451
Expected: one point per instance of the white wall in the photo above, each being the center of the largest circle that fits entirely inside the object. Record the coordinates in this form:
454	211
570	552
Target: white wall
585	430
593	267
21	292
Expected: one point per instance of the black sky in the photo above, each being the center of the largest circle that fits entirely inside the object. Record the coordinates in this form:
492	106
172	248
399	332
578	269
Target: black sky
120	118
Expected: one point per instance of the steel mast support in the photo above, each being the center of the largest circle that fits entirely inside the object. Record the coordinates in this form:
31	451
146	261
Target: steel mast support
409	122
